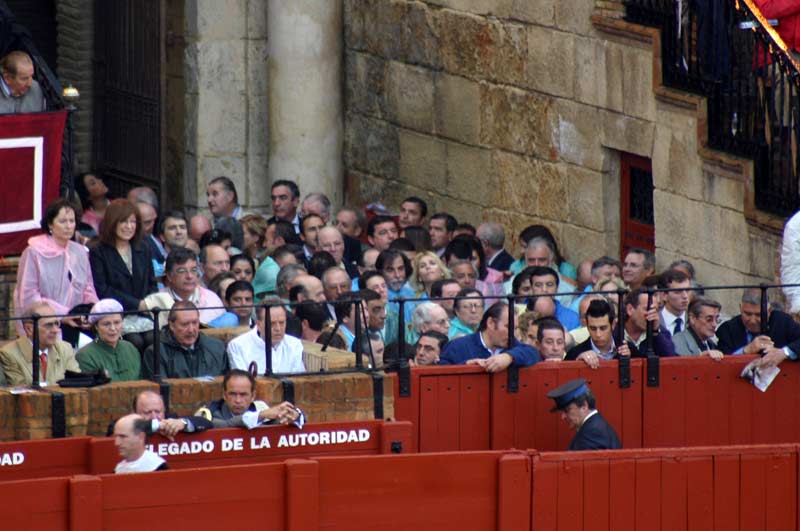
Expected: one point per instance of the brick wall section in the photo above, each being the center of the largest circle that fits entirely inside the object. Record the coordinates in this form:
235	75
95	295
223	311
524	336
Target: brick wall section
89	411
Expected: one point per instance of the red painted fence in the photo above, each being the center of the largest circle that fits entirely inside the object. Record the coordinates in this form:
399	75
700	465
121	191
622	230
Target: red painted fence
697	402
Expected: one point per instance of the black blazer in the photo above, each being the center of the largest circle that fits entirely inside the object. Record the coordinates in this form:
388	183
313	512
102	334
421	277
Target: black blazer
595	434
579	349
112	279
782	329
501	262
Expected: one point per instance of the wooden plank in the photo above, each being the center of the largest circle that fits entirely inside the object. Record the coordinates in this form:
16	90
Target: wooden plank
673	494
545	495
753	492
781	495
473	423
648	495
727	495
597	495
622	474
570	496
699	493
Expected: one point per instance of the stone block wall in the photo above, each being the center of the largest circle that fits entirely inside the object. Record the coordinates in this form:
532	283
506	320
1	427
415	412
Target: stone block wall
517	111
323	398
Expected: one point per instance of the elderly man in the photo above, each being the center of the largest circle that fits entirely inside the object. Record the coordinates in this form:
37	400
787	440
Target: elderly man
129	438
150	406
350	221
287	351
331	240
489	346
576	403
493	238
638	265
428	316
214	260
540	252
239	407
185	352
55	356
742	334
183	284
697	339
19	92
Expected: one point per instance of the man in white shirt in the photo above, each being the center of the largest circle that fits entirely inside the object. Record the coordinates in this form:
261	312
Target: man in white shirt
129	438
287	351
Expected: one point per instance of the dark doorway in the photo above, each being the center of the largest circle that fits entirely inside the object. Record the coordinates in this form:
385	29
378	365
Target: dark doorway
39	17
636	202
129	93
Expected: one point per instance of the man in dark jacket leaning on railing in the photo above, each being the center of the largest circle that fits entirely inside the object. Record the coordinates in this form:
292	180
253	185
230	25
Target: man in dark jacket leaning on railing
488	347
185	352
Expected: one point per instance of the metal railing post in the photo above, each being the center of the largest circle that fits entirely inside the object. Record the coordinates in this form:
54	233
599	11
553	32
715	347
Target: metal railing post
35	383
268	339
156	345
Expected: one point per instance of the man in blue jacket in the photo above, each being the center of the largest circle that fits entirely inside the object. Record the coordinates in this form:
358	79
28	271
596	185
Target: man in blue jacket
489	347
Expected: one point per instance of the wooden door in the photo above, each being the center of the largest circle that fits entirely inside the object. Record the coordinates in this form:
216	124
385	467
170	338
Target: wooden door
637	228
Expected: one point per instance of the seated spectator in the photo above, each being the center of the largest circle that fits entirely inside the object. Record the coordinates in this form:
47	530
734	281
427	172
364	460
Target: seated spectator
221	283
238	406
373	280
367	261
608	286
600	345
464	273
489	347
541	253
109	352
527	327
637	316
447	289
412	212
19	92
217	236
309	229
335	283
465	229
492	238
123	270
243	267
239	300
287	351
469	311
254	235
223	201
545	282
584	278
427	316
182	283
427	270
742	334
149	217
429	348
346	314
404	246
285	199
396	269
419	238
55	356
375	310
150	406
185	352
602	269
579	335
173	232
312	316
320	262
266	275
351	222
697	339
332	337
129	438
55	269
381	231
558	262
441	227
331	240
199	225
550	339
638	265
378	349
94	199
214	259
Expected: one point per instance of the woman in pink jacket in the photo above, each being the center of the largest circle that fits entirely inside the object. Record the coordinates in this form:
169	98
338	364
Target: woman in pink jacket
55	269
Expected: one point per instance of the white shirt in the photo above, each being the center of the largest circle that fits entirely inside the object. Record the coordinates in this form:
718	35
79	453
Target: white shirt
148	462
669	320
287	356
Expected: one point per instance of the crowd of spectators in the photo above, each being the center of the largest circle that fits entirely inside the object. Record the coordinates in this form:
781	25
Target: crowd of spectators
100	268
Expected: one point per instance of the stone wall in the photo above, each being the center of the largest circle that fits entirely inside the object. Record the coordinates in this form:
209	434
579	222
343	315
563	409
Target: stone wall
517	111
224	82
323	398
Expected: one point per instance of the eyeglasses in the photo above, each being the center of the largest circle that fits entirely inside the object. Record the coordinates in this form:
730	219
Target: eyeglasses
51	325
184	270
471	305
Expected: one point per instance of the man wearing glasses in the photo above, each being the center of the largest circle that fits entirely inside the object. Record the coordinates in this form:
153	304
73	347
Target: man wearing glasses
55	356
182	281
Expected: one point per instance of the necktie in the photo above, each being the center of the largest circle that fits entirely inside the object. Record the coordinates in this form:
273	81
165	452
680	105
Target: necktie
678	326
42	366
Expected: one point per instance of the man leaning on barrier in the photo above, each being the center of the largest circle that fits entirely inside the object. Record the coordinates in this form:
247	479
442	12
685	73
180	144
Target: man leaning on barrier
239	407
19	92
150	406
489	346
130	434
576	403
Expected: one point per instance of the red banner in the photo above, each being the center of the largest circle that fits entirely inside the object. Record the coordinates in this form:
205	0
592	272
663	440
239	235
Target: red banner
30	172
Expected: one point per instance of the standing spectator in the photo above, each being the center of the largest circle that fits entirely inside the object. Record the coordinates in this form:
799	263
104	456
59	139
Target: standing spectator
638	265
673	314
254	235
441	228
239	303
492	238
214	260
285	197
381	232
242	267
123	270
412	212
109	352
697	339
223	201
56	270
429	348
351	222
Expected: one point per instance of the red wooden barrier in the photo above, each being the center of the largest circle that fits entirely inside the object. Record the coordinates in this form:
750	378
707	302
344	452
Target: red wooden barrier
752	487
36	504
84	455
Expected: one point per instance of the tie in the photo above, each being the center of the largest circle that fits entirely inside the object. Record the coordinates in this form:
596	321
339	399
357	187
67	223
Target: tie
42	366
678	323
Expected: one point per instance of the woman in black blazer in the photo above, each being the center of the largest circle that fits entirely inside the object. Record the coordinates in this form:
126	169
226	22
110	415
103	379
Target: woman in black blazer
123	270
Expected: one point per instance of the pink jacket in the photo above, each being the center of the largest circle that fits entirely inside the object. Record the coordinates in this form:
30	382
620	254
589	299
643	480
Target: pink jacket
60	276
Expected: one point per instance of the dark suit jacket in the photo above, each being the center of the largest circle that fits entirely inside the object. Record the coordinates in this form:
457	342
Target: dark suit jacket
783	330
112	279
595	434
501	262
579	349
352	254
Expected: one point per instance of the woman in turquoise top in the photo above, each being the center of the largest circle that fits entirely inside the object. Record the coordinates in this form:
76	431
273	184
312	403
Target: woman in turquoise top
469	312
109	352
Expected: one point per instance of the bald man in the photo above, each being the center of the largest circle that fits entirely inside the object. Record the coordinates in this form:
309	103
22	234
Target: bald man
130	435
19	92
331	240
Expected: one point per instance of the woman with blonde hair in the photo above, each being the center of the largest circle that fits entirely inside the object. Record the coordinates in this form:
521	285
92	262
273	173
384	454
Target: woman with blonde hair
428	268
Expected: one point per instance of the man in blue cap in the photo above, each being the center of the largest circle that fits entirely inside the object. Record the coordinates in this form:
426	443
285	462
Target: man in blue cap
576	403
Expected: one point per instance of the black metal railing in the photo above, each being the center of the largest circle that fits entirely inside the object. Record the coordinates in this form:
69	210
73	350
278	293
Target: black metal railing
725	50
14	36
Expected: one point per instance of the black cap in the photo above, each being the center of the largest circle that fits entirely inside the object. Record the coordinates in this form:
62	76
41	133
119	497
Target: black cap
564	394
